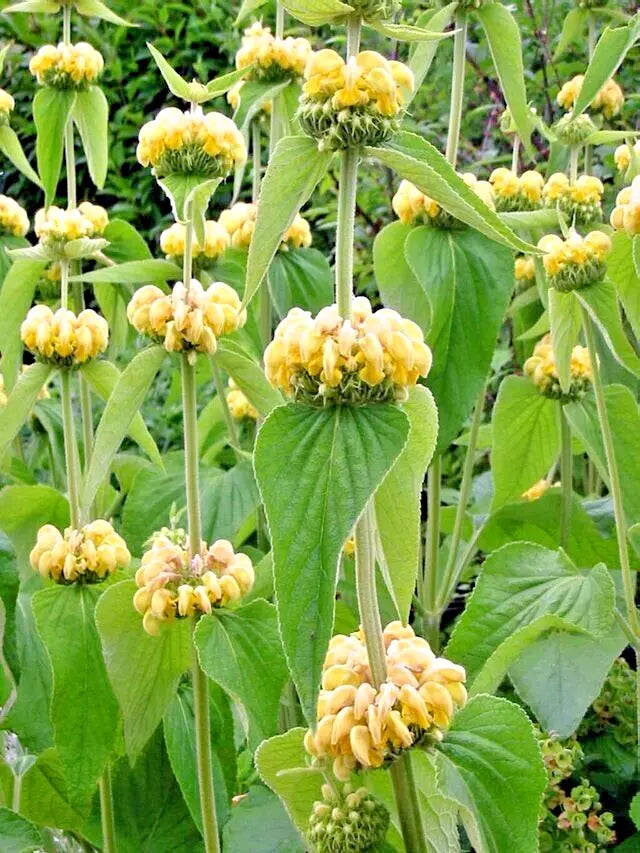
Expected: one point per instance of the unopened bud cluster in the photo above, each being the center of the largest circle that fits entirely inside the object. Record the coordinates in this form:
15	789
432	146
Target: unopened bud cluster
347	821
626	214
574	131
190	319
614	711
239	221
625	154
360	726
575	262
608	101
172	585
373	357
541	368
88	555
239	406
360	102
272	59
413	207
7	105
524	269
177	142
55	226
67	66
515	192
376	10
62	338
13	218
216	241
581	202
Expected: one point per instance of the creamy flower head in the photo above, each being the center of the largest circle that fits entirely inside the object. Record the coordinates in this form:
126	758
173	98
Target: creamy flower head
88	555
13	217
413	207
216	241
272	58
608	101
67	66
62	338
541	368
576	261
626	214
55	226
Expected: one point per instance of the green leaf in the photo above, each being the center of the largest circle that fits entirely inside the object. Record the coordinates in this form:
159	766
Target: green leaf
21	401
424	53
259	823
302	278
247	8
144	671
572	30
178	86
608	137
222	84
12	150
120	411
84	710
416	160
240	650
125	243
134	272
467	281
601	302
248	375
18	834
47	7
52	110
565	322
396	280
294	171
84	247
634	810
43	796
9	584
316	469
505	44
491	748
315	13
190	196
23	510
517	585
526	438
253	96
16	297
405	32
91	116
610	51
526	219
103	377
96	9
397	501
623	262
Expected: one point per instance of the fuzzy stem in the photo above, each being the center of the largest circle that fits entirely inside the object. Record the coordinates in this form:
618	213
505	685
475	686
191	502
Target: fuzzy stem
17	793
204	757
346	230
187	260
256	150
190	417
66	24
515	156
64	284
226	412
566	479
354	31
588	159
70	448
574	154
430	589
457	86
406	794
367	596
106	813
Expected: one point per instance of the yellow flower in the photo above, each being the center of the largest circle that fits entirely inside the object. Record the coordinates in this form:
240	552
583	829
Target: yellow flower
587	190
55	226
626	214
299	234
505	182
67	66
515	192
239	405
239	222
541	368
7	105
525	268
272	58
580	202
216	241
536	491
570	91
531	186
62	338
13	217
576	261
413	207
609	100
88	555
556	187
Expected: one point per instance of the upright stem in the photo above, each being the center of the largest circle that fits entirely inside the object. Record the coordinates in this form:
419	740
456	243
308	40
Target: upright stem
256	150
204	756
276	107
574	154
430	589
187	260
66	23
354	31
515	156
406	794
226	412
70	448
346	230
106	813
457	86
367	597
190	417
566	479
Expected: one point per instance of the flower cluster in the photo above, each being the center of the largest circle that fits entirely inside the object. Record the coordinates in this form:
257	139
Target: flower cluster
541	367
239	405
608	101
580	202
625	154
575	262
55	226
413	207
240	222
190	319
7	104
43	394
216	240
272	59
515	192
614	711
360	102
524	268
13	218
372	357
177	142
88	555
347	821
626	214
67	66
171	585
359	726
62	338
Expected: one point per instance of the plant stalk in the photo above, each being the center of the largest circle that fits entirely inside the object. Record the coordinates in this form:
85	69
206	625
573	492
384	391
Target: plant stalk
204	756
346	230
365	538
406	795
106	812
256	151
457	86
190	417
226	412
66	23
70	448
566	479
354	32
432	620
515	156
574	155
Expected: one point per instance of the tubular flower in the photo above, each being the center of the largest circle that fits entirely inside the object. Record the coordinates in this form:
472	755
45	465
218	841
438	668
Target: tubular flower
608	101
359	726
239	405
190	319
575	262
626	214
54	226
347	105
6	106
347	821
413	207
524	269
216	241
541	367
535	492
625	154
88	555
13	218
67	66
580	202
234	96
240	222
64	339
272	58
514	192
173	586
177	142
373	357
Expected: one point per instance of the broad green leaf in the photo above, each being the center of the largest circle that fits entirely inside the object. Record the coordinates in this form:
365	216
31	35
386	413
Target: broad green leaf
316	469
282	762
526	438
260	823
52	110
416	160
406	32
526	219
12	150
294	171
219	85
84	247
302	278
84	710
490	763
43	796
397	501
144	671
21	401
622	270
397	283
253	96
17	834
610	51
125	243
123	405
467	281
103	377
572	30
134	272
96	9
624	420
503	34
607	137
23	510
601	302
16	297
517	585
634	810
315	13
91	116
240	650
190	196
9	584
47	7
566	322
178	86
424	53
